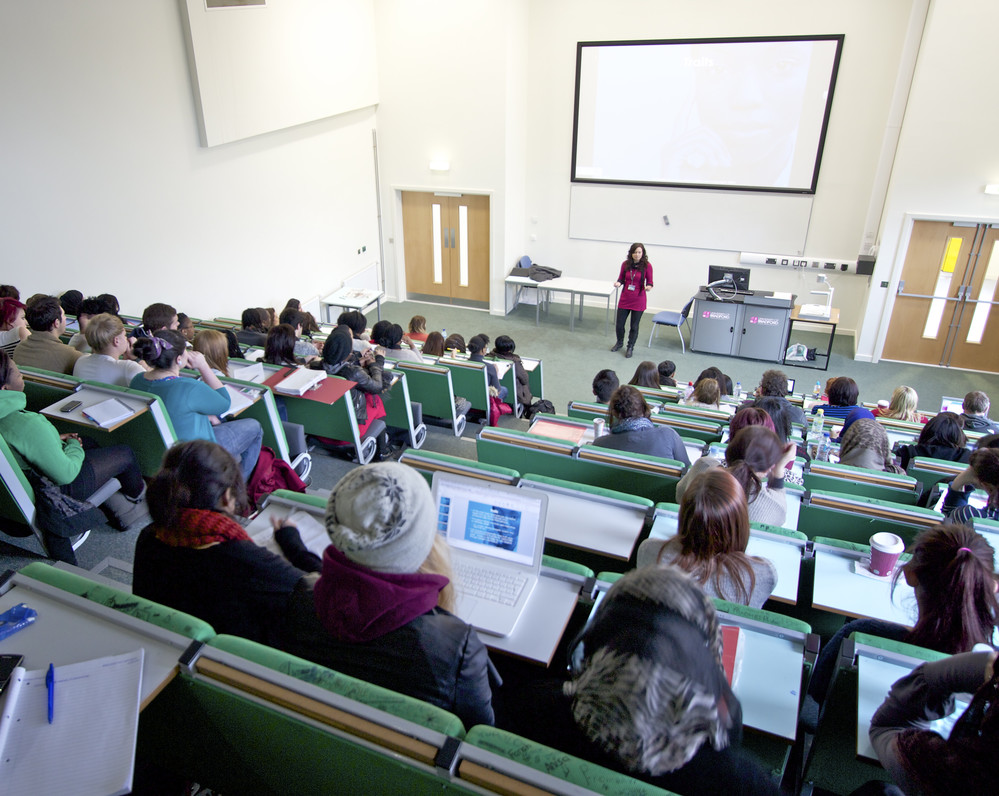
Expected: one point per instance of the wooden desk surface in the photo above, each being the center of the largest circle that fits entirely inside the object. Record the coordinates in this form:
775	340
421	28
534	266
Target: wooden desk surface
831	320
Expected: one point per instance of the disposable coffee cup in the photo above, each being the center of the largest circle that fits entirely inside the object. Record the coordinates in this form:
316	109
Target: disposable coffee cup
598	427
885	550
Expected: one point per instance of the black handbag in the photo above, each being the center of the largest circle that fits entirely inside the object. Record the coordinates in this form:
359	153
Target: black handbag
58	513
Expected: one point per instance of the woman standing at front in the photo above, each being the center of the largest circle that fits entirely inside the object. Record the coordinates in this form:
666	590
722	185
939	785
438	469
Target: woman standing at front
635	280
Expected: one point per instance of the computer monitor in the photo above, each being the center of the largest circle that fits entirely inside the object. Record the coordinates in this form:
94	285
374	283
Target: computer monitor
738	275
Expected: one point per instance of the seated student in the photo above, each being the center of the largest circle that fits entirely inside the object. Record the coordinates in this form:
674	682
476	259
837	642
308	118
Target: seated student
982	473
215	347
773	384
417	329
631	430
705	395
381	610
780	414
667	368
951	570
397	346
648	695
254	331
476	350
902	406
843	395
279	349
711	541
13	326
88	308
107	339
185	326
604	384
724	382
455	343
976	413
754	455
504	349
864	443
9	291
434	345
154	318
303	348
357	323
70	302
923	761
197	558
194	406
941	438
43	348
80	469
646	375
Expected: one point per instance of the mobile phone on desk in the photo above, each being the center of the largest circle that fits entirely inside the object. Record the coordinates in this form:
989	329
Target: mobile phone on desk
70	406
7	665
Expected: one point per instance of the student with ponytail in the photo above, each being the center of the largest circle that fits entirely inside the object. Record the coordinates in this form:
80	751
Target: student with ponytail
194	406
951	571
711	542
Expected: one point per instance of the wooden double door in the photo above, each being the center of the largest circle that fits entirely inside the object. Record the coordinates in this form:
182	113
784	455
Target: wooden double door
447	247
946	310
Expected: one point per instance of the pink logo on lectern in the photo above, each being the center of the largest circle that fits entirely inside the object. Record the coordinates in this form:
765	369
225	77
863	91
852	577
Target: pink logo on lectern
754	319
707	314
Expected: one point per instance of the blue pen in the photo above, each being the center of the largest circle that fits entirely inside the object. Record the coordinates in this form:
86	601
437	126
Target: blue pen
50	686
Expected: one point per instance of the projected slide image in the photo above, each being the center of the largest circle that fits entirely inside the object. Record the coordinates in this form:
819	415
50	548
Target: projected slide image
492	525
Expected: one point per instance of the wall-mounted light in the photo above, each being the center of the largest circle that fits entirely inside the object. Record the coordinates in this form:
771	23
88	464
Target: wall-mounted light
992	188
440	164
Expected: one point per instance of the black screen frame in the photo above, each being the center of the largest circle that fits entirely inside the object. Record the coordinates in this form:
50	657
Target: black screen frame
739	275
839	38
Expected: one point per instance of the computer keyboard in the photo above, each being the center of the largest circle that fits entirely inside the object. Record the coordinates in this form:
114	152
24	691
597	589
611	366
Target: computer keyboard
487	583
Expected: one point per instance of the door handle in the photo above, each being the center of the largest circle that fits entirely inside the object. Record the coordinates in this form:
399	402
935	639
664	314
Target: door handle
452	237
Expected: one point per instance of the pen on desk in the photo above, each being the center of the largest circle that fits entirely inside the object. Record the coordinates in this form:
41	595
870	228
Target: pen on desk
50	686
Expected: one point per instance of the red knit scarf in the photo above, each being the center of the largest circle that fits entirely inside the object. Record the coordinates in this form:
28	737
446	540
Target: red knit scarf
200	527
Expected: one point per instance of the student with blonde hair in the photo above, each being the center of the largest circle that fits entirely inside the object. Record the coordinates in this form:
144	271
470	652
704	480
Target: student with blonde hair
902	406
106	337
215	346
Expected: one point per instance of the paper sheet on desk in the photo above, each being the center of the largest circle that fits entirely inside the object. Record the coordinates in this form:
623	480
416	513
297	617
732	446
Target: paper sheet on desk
89	748
313	533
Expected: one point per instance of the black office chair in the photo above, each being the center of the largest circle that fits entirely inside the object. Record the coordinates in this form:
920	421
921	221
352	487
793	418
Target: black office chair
671	318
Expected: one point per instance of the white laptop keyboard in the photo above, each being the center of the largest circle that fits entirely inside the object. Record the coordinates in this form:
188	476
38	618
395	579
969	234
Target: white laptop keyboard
488	583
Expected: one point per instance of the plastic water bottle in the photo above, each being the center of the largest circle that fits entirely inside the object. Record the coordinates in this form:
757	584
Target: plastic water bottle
815	432
817	391
738	389
689	391
825	447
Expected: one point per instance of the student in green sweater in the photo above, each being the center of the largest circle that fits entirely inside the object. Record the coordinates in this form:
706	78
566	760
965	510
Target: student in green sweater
78	466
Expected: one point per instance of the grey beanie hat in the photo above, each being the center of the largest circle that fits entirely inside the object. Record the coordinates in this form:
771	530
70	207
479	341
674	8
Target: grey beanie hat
382	517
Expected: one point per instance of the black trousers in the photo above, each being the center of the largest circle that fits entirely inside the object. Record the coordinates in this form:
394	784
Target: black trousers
622	317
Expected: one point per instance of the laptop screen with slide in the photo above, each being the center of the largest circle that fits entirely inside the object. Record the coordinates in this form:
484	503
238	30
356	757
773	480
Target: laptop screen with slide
955	405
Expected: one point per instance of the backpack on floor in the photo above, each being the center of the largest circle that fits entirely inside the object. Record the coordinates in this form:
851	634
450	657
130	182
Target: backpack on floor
271	473
542	406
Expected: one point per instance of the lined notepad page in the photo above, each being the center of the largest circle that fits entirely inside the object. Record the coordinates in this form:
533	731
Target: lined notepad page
312	531
90	746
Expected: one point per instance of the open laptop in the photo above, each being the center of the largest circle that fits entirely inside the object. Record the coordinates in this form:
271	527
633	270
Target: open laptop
955	405
496	537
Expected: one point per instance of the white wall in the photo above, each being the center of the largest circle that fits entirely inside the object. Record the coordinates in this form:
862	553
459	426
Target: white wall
947	149
451	84
875	34
106	188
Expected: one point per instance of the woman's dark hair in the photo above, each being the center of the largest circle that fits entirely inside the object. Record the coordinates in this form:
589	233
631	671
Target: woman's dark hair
645	256
9	291
233	344
160	355
477	344
110	303
70	301
604	384
378	332
279	348
194	475
985	463
843	392
434	345
504	345
780	413
666	369
294	318
42	313
455	341
724	383
5	367
773	382
95	306
293	304
354	320
646	375
753	449
254	319
626	403
955	588
714	532
943	430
